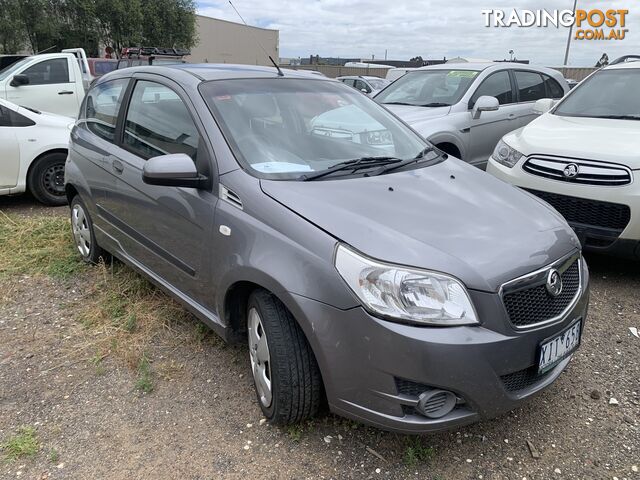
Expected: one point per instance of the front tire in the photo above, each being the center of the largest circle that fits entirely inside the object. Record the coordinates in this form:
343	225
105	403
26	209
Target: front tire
285	372
83	235
46	179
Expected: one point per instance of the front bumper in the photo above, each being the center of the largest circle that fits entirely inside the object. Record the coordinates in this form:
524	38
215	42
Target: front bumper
372	368
622	242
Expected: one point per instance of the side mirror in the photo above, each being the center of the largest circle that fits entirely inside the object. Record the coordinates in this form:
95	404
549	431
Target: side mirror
543	105
364	90
19	80
175	170
484	104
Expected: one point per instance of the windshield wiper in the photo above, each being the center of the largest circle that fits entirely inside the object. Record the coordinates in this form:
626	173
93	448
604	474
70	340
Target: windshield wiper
395	166
620	117
436	104
354	165
400	103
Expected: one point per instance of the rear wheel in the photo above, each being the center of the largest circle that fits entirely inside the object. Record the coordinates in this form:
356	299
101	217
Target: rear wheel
46	179
285	373
83	235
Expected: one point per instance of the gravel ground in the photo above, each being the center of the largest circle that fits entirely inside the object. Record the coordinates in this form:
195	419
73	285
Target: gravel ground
202	420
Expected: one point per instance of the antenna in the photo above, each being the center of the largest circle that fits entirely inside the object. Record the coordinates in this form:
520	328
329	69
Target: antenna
280	74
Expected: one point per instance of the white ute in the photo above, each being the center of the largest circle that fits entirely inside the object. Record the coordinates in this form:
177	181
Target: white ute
582	158
51	82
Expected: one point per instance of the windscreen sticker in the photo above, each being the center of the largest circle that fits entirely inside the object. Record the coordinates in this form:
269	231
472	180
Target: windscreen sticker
280	167
462	73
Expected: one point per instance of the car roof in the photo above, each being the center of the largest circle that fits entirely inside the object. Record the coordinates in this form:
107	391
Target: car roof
215	71
630	64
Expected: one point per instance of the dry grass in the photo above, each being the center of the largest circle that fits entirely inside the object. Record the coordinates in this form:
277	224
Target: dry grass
37	246
123	315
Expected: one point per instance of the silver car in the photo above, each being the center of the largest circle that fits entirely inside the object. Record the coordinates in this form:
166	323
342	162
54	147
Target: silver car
366	84
465	109
361	266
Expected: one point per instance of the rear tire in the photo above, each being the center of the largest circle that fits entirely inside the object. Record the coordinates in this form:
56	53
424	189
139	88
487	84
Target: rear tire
46	179
83	237
285	372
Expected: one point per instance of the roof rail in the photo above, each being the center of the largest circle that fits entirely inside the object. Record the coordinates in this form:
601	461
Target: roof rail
154	52
625	59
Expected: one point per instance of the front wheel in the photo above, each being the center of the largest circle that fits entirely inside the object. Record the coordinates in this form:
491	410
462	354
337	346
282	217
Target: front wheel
285	372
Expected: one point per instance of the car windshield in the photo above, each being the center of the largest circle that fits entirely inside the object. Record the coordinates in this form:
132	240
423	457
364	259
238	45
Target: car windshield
287	128
13	68
428	88
606	94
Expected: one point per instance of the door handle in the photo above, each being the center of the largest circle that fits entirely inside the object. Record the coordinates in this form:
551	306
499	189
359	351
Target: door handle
117	166
65	92
511	116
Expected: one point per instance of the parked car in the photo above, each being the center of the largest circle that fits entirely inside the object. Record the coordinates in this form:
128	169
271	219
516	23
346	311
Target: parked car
139	56
366	84
571	82
464	109
408	289
395	73
33	149
100	66
51	82
582	157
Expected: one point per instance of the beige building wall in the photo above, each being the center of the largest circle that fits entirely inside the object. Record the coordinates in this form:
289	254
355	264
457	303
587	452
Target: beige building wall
220	41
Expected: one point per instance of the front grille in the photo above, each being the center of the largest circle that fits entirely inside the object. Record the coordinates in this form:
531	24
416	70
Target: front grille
522	379
586	212
584	172
529	306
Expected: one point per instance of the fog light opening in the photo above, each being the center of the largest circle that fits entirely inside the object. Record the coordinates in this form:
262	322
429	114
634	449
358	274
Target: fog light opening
436	403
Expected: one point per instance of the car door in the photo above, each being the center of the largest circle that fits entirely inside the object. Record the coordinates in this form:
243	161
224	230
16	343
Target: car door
164	229
9	150
362	86
530	87
485	131
51	88
94	139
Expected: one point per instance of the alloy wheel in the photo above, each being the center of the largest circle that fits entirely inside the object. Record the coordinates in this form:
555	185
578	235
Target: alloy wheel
260	358
81	231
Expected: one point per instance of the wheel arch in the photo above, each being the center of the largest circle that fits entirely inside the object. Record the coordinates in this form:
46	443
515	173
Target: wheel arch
39	157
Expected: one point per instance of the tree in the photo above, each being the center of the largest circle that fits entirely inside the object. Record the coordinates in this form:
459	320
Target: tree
169	23
40	22
120	22
11	31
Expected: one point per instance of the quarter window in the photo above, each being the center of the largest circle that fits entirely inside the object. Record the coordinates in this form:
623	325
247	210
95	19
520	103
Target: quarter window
158	123
530	86
495	85
102	106
554	90
9	118
48	72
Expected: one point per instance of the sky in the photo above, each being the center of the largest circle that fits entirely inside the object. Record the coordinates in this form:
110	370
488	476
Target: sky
430	28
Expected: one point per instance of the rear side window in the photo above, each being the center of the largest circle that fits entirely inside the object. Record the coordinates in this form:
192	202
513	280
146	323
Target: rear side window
9	118
495	85
554	90
530	86
158	123
48	72
102	106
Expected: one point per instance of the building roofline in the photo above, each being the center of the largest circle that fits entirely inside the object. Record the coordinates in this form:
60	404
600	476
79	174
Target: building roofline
237	23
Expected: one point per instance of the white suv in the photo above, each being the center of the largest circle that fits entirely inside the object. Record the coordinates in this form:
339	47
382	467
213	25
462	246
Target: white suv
582	156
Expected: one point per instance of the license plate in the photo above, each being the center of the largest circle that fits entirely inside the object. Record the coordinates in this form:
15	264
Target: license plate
558	348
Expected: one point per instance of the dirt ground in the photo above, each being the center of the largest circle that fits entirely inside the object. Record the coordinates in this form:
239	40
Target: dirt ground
201	421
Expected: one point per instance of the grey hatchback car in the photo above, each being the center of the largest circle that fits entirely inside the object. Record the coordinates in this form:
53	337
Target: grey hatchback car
364	267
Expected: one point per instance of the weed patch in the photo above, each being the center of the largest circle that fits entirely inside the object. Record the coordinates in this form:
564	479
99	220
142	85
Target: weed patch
23	444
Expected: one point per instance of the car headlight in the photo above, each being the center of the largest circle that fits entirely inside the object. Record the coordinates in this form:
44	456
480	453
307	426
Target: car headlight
379	137
506	155
403	293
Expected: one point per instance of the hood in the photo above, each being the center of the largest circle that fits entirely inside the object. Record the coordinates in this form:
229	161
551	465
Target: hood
585	138
449	217
414	115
